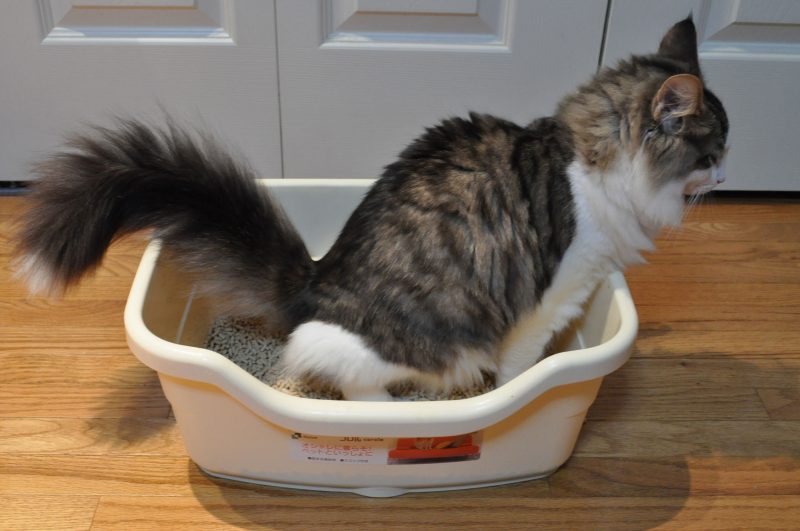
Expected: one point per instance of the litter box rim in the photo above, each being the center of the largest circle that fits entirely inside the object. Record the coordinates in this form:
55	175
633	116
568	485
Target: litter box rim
379	419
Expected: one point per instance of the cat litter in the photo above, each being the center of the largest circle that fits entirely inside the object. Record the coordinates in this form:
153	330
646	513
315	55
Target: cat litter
248	345
241	421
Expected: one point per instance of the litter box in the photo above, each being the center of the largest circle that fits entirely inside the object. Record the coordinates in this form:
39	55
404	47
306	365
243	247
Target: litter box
236	427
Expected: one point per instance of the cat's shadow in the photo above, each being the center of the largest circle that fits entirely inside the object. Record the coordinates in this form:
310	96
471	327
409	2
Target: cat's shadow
620	488
132	416
703	431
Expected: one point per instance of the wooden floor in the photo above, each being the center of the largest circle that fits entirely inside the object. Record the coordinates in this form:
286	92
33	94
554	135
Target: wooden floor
700	430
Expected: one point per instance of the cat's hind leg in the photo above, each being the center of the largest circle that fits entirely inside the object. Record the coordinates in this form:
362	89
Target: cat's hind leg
342	358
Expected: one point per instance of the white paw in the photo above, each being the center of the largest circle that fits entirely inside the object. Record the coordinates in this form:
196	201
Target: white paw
367	394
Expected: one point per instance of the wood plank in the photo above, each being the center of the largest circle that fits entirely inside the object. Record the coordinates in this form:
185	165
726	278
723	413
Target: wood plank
673	269
51	513
668	318
714	374
734	293
74	401
692	389
754	210
123	475
744	343
783	403
659	438
63	314
96	436
727	261
37	475
91	369
736	512
494	511
615	403
725	251
677	476
735	230
30	340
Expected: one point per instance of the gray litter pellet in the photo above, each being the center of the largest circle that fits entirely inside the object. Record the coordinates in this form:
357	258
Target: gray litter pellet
248	345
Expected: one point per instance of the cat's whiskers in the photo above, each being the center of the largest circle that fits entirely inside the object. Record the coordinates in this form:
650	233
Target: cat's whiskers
671	232
695	199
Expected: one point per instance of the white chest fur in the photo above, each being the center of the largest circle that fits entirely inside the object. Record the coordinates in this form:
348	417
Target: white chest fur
607	237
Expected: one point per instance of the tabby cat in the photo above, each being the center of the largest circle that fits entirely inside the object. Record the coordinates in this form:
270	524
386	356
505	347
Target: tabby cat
481	231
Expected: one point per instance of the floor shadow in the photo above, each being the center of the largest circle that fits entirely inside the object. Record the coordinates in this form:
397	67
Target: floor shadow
708	429
128	415
260	507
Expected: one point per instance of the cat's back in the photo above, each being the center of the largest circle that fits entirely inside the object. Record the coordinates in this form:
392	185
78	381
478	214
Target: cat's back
458	174
449	169
475	143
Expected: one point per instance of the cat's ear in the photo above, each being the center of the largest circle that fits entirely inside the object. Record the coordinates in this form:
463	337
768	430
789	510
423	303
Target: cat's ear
678	96
680	44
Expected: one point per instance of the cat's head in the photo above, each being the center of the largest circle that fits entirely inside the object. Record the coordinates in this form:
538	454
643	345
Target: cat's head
686	133
653	120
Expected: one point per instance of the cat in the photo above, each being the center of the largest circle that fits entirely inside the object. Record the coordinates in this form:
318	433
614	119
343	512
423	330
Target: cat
481	232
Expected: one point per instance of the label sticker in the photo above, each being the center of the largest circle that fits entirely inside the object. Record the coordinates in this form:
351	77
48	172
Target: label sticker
422	450
344	450
384	450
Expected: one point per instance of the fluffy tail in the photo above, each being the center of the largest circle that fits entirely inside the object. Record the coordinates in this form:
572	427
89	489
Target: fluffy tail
203	205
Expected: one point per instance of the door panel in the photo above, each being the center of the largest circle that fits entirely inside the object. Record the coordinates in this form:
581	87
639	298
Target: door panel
66	63
361	79
750	55
136	21
430	25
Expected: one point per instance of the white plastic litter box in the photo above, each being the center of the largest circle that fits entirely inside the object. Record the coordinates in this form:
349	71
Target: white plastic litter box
237	427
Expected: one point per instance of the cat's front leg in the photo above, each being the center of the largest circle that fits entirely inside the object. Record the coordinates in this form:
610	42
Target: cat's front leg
513	366
521	349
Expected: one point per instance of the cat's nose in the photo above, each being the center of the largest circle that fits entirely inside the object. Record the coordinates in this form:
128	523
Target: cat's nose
718	174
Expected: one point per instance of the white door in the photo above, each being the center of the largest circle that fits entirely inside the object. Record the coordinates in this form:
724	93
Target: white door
358	78
750	56
64	63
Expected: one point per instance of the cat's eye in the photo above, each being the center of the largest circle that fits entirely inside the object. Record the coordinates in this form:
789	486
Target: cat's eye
704	162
